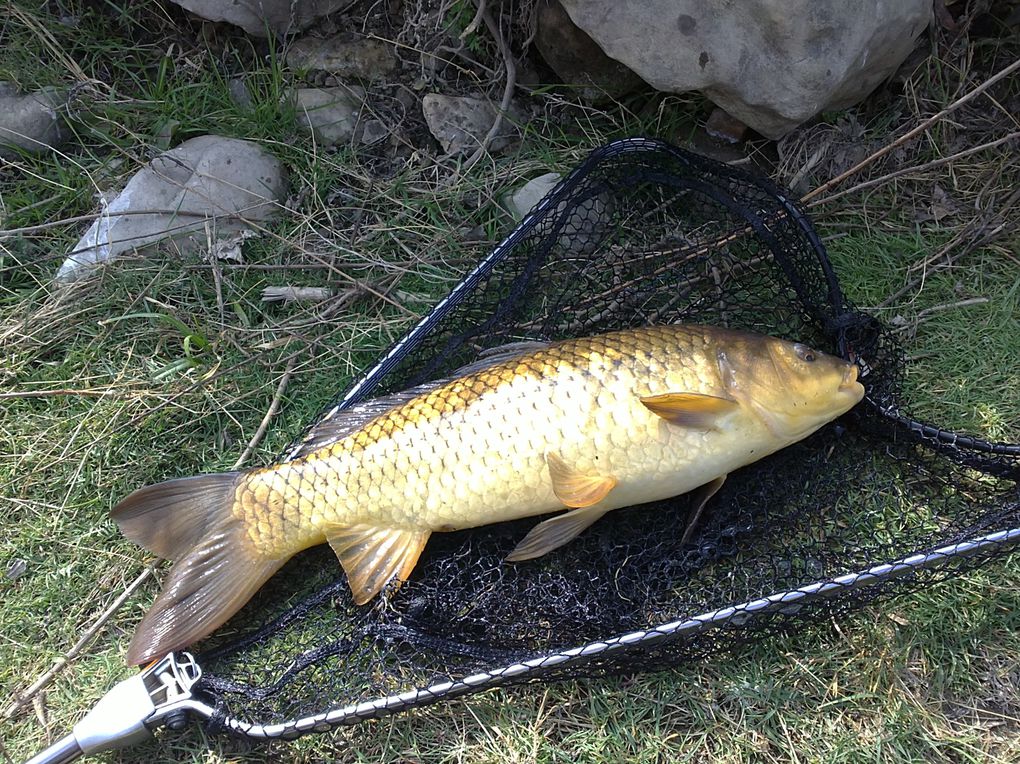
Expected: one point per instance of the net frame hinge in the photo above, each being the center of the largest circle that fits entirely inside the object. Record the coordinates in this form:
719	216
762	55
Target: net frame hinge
159	695
169	682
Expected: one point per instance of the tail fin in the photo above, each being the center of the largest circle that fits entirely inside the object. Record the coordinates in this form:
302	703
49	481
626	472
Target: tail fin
216	570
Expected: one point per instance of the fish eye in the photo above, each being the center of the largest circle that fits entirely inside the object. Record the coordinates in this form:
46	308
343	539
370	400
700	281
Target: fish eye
805	353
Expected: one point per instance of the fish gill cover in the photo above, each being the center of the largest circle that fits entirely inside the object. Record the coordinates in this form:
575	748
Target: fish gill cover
640	233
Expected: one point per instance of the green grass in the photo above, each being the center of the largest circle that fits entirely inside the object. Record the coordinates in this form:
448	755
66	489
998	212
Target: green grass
119	396
960	327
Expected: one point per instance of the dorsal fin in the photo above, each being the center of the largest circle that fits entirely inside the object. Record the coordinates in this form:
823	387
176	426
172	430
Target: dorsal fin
492	356
342	423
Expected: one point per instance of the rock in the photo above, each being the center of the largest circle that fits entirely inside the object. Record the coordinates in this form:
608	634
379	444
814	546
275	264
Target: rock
577	59
329	114
204	182
580	228
262	18
373	131
725	127
524	199
239	93
772	64
461	123
364	58
30	122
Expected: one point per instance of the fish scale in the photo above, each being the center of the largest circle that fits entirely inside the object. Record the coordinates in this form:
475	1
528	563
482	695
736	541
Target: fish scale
591	424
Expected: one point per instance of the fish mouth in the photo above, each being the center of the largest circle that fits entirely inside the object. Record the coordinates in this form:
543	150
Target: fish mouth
849	384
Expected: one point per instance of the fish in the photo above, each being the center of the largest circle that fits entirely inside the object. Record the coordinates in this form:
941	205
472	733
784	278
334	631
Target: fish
585	425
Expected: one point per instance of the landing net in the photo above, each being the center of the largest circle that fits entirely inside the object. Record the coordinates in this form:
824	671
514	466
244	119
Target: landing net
872	505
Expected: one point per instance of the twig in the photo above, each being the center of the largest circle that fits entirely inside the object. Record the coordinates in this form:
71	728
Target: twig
825	187
5	232
472	27
216	272
971	237
951	306
274	407
916	168
508	89
24	697
912	326
62	391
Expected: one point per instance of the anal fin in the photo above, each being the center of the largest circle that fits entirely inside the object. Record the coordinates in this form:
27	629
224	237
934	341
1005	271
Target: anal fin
372	556
554	533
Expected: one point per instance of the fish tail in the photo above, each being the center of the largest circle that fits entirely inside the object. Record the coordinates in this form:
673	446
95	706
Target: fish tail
216	567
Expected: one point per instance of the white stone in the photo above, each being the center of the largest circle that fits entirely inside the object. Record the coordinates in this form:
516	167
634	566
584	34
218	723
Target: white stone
524	199
770	63
200	188
581	227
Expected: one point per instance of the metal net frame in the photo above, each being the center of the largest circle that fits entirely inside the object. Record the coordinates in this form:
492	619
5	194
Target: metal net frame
874	505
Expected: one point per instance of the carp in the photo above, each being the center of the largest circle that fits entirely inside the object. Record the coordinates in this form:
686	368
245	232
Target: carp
585	425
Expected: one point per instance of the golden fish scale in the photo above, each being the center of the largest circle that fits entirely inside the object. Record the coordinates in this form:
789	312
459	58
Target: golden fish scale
474	450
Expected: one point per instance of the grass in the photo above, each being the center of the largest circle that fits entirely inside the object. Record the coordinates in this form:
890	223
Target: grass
151	372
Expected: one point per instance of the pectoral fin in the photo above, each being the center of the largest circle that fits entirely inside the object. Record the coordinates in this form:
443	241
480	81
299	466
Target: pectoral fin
576	489
699	499
372	556
690	409
554	533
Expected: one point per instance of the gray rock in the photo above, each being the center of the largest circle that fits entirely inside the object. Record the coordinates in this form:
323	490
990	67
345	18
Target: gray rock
770	63
364	58
263	17
204	183
31	122
373	131
524	199
329	114
581	228
460	123
239	92
577	59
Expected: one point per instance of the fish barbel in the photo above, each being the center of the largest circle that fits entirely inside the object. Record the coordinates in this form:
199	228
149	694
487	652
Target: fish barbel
589	425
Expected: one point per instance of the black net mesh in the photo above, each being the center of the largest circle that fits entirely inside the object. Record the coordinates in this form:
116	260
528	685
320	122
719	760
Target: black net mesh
641	233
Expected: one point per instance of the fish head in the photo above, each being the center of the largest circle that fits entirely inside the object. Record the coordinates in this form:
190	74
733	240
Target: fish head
796	388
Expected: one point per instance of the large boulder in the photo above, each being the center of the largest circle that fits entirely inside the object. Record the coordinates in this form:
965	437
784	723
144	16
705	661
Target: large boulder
577	59
263	18
770	63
